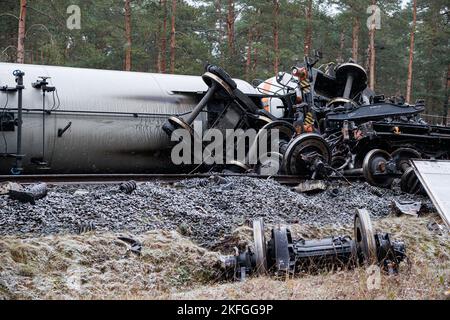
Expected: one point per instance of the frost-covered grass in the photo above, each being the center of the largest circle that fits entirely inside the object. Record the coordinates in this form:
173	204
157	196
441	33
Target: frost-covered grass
99	266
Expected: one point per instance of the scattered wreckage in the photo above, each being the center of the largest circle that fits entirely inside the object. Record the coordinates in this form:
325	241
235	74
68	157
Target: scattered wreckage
283	255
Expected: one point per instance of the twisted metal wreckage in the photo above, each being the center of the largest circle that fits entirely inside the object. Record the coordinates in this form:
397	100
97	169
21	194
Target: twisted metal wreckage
328	124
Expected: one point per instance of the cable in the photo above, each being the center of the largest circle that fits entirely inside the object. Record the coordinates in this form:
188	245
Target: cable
54	102
1	123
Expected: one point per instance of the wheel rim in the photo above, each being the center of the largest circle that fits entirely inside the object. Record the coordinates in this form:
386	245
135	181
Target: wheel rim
259	239
402	157
364	237
286	131
374	168
238	166
208	77
293	163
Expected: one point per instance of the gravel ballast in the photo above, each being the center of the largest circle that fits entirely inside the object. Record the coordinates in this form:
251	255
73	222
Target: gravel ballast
203	209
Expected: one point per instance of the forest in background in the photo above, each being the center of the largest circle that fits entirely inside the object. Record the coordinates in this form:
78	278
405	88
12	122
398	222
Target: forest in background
408	55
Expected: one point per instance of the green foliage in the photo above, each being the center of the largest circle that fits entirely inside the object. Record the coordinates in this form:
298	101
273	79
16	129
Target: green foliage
201	36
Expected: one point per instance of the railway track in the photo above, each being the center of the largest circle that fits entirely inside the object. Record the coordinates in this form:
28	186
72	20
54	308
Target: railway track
71	179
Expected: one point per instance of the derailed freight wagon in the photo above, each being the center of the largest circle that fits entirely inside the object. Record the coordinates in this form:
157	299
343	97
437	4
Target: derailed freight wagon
329	122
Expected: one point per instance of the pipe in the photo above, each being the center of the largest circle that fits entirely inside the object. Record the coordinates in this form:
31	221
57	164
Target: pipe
348	87
201	104
17	170
354	172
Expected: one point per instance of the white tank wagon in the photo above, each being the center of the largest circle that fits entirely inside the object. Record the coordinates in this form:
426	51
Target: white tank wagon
93	121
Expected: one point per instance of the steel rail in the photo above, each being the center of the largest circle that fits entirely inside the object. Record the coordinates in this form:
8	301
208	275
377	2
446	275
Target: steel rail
71	179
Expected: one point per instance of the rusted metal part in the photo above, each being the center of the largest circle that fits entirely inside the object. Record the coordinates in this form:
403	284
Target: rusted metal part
435	178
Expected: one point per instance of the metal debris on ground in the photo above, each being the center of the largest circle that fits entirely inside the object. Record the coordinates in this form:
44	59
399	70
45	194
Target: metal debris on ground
7	186
135	245
29	195
435	178
311	186
436	227
85	227
128	187
408	208
80	192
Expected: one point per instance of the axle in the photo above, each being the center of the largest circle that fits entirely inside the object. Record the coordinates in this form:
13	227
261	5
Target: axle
282	255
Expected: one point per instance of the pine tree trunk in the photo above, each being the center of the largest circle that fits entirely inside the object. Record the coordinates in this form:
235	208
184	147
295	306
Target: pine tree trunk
372	64
372	60
230	25
219	19
447	97
276	62
172	37
248	61
163	61
341	48
355	38
256	40
128	35
308	35
22	31
411	54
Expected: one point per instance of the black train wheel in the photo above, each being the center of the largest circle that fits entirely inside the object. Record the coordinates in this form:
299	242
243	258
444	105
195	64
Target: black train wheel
365	238
295	160
260	249
403	156
410	182
375	168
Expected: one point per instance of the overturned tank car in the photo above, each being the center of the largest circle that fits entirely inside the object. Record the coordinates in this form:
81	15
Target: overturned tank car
77	121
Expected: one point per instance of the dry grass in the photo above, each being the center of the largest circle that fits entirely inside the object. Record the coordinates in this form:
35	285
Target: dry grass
97	266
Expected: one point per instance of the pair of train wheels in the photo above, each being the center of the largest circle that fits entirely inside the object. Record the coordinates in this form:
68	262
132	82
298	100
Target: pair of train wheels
363	234
377	173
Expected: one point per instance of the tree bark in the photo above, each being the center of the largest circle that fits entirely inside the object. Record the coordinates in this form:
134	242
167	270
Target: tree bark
248	61
128	35
447	97
341	48
411	54
276	62
372	64
355	38
172	37
219	19
230	25
163	51
308	35
22	32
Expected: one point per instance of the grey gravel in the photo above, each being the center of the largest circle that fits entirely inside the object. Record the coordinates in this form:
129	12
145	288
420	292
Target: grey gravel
204	209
